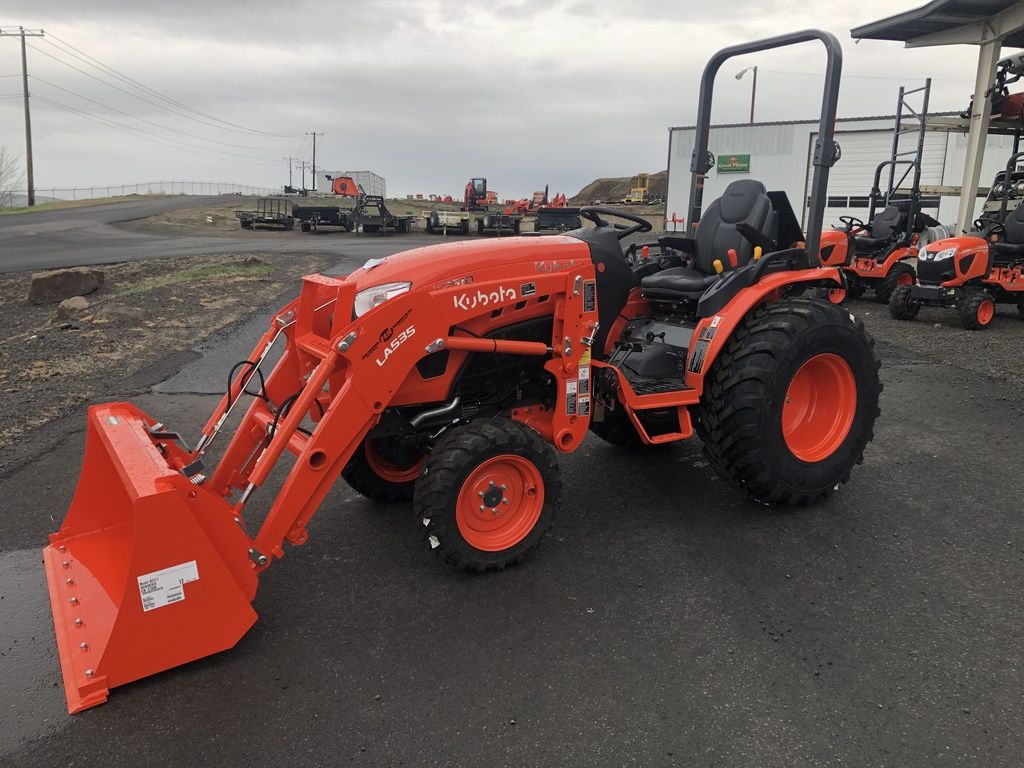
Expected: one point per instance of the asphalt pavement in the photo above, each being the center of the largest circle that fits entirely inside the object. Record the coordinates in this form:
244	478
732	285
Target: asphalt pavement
666	620
92	235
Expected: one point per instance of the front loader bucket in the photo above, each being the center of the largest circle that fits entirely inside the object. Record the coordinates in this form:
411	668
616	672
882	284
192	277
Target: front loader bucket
148	570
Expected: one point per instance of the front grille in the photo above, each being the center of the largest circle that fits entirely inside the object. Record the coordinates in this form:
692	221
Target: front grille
935	271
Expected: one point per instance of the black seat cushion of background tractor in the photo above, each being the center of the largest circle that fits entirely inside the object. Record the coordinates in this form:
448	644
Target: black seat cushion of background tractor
1003	248
744	201
869	243
676	282
1013	227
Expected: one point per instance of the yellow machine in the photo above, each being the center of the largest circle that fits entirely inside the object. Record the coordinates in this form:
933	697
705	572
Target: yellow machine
639	193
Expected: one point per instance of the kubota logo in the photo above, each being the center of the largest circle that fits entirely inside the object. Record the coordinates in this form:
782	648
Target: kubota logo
396	342
484	298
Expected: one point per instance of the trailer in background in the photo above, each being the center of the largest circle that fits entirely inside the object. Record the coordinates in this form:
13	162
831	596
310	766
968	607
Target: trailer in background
498	223
372	215
444	221
557	219
312	217
270	212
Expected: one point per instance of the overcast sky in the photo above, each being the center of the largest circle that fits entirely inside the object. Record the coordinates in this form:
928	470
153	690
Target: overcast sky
426	92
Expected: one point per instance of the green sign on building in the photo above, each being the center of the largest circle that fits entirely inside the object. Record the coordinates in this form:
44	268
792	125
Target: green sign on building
734	163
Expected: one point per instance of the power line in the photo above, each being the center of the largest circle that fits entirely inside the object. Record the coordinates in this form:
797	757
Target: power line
145	135
122	90
107	69
150	122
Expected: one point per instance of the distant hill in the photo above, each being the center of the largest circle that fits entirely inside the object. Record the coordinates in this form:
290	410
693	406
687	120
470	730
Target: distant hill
615	189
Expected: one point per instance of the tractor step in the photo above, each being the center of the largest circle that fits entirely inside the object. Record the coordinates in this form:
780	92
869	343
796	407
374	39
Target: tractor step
651	385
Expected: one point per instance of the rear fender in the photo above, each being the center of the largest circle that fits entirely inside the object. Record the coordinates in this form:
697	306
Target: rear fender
712	332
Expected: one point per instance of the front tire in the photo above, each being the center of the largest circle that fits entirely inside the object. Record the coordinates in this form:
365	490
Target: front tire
487	495
902	275
902	305
977	311
790	402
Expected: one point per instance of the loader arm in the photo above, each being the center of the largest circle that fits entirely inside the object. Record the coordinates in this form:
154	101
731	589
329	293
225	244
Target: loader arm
154	565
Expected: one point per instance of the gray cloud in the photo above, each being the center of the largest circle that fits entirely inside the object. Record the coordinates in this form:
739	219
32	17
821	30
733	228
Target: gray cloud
430	93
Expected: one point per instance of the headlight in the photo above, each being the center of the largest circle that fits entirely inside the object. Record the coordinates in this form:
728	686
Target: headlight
946	253
369	298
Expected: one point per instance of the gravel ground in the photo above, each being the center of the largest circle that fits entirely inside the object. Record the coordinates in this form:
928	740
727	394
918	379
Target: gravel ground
145	313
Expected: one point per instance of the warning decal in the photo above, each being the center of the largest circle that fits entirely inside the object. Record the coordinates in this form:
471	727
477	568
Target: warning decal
570	397
589	295
700	349
584	406
584	379
161	588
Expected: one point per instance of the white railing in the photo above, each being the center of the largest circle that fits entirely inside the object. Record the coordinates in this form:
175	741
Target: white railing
150	188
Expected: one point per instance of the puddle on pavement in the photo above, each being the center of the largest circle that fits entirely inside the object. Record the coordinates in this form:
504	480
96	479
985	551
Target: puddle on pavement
33	700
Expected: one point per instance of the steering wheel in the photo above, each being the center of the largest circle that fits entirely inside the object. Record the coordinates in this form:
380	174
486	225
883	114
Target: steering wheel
593	214
988	227
852	222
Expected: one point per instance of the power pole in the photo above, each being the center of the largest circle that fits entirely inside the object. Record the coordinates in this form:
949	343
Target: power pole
304	164
314	134
290	163
23	33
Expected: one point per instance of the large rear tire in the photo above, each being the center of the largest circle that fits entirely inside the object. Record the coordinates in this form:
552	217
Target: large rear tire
487	495
977	311
384	471
902	305
790	402
902	275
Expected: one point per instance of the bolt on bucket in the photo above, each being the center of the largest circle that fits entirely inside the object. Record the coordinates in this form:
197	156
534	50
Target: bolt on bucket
148	571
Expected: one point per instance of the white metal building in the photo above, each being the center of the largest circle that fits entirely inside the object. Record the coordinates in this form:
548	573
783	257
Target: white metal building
780	156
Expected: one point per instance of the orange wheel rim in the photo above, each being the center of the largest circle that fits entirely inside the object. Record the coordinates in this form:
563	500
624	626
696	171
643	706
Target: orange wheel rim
500	503
904	278
387	470
837	295
986	311
820	406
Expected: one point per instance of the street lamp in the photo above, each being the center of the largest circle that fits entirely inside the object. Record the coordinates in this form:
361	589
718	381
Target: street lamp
753	89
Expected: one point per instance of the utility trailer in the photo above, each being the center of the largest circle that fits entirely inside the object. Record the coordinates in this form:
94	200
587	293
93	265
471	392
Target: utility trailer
372	215
270	212
312	217
557	219
445	221
499	223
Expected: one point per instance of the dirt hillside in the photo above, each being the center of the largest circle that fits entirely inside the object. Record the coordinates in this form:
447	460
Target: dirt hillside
615	189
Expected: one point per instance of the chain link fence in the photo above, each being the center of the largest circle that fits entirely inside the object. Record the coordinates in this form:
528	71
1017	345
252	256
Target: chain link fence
43	194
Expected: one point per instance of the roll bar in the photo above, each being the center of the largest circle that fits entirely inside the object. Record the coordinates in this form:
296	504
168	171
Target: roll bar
824	148
915	191
1011	166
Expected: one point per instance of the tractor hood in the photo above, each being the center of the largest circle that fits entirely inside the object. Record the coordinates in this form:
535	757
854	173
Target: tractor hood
470	260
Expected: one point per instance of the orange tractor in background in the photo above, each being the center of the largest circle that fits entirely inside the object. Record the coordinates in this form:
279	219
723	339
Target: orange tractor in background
876	255
974	272
452	376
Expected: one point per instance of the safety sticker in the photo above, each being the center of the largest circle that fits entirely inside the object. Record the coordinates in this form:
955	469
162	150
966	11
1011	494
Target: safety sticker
589	295
584	379
161	588
585	356
584	406
527	289
570	397
700	351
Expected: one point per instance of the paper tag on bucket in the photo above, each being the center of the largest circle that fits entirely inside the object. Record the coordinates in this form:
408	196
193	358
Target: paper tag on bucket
161	588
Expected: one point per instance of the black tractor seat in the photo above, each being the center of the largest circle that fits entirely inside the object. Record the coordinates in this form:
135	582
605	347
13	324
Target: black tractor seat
744	201
884	227
1010	249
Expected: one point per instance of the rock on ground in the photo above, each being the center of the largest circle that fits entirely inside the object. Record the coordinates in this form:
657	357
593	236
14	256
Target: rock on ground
59	284
70	307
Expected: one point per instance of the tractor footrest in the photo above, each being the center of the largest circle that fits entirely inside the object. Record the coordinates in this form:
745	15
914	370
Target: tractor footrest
649	385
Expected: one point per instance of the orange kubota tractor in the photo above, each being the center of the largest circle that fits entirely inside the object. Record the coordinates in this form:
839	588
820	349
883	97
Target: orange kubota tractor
452	375
975	271
876	255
